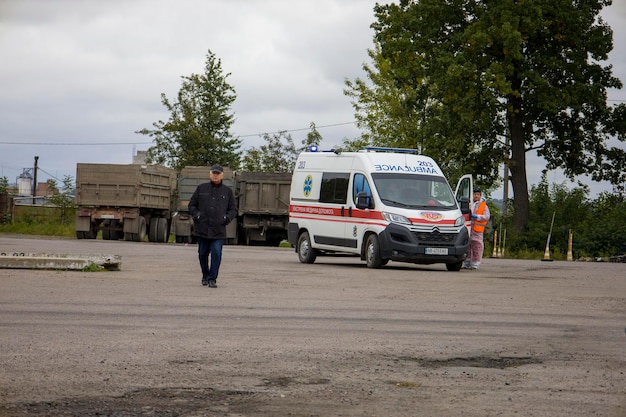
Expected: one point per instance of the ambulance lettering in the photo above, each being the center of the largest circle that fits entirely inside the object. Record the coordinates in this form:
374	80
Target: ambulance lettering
313	210
421	168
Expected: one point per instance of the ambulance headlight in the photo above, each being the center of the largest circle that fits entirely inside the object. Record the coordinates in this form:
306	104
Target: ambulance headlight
459	221
395	218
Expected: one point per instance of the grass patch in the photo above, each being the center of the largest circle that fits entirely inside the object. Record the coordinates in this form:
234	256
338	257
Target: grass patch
92	268
39	228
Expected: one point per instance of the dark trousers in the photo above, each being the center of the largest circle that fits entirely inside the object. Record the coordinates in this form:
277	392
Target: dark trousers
213	248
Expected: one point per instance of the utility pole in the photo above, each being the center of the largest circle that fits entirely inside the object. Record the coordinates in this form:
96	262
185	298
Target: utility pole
35	180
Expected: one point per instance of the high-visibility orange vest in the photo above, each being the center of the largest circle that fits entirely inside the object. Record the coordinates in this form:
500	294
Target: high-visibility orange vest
479	225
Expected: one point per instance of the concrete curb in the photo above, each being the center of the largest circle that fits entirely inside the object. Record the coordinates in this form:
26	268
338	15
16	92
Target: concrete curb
21	260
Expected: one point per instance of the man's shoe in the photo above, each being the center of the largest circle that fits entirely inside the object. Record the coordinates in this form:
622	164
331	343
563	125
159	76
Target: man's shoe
205	282
212	283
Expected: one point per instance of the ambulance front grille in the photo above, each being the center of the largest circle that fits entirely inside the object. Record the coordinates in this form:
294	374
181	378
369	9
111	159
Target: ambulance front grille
435	236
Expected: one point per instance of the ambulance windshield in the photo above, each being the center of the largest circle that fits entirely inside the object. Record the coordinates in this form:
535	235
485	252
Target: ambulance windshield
414	191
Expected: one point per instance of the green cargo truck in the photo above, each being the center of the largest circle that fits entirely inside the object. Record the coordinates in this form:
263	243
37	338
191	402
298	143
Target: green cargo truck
124	201
263	206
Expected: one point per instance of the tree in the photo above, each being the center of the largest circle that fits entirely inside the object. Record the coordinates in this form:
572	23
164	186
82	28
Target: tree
313	138
64	198
604	230
279	154
4	185
197	132
485	82
274	156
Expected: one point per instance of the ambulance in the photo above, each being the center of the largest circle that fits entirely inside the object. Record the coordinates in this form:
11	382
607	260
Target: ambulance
382	204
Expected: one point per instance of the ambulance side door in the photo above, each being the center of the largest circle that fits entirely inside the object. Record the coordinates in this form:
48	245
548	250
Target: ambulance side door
358	217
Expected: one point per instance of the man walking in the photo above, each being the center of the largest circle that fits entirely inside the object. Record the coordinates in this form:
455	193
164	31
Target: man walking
212	206
480	216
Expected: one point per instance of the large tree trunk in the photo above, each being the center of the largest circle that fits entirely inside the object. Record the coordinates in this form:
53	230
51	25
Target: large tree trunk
517	166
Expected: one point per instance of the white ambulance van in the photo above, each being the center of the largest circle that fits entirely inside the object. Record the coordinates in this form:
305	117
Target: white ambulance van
380	204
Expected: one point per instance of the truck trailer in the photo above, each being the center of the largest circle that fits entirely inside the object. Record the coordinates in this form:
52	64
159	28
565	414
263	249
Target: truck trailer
124	201
263	206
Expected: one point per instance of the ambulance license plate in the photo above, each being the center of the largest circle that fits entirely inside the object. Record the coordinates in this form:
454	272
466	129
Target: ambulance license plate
436	251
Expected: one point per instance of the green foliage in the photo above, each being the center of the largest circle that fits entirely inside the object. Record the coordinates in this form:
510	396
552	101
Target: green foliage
197	132
603	231
47	227
92	268
313	137
598	227
476	84
279	154
4	185
64	199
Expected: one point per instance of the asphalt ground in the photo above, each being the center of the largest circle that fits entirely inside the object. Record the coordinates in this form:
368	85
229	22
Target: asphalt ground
334	338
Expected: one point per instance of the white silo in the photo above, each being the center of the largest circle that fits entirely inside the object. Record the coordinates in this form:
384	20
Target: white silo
25	184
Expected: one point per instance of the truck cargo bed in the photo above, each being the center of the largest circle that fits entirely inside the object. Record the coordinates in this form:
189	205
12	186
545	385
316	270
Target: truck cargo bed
145	186
264	193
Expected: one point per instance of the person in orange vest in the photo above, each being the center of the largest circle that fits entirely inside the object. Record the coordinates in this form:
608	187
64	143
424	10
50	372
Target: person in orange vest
480	216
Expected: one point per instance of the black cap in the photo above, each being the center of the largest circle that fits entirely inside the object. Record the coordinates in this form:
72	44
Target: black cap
217	168
478	190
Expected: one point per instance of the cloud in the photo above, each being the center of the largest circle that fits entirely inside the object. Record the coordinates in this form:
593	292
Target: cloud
88	72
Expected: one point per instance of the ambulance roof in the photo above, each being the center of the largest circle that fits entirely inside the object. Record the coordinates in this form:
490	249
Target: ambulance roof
388	160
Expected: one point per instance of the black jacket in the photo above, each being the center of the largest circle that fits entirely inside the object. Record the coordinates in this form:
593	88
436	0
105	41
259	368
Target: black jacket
212	207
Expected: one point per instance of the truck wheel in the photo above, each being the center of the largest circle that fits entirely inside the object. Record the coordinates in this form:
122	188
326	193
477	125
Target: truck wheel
372	252
162	230
92	233
306	253
455	266
152	232
140	236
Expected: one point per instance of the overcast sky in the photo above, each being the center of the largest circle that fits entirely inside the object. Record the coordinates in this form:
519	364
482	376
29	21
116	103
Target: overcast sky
78	77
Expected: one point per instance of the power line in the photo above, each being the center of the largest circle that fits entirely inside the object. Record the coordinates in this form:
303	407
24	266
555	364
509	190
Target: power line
49	174
148	143
297	130
74	143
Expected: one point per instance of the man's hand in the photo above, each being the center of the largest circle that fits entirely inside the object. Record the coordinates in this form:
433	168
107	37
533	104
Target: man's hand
474	217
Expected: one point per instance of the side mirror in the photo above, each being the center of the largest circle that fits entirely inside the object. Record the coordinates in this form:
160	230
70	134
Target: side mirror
363	201
465	208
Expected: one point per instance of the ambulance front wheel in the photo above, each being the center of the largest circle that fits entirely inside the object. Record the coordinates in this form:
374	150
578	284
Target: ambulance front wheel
372	252
306	253
454	266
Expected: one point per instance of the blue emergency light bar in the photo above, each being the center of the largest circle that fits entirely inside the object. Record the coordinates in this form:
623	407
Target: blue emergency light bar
315	148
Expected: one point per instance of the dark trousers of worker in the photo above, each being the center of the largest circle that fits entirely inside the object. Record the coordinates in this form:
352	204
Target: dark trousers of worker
212	248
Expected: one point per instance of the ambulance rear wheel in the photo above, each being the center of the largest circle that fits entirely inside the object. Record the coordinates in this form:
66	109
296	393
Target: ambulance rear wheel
306	253
372	252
